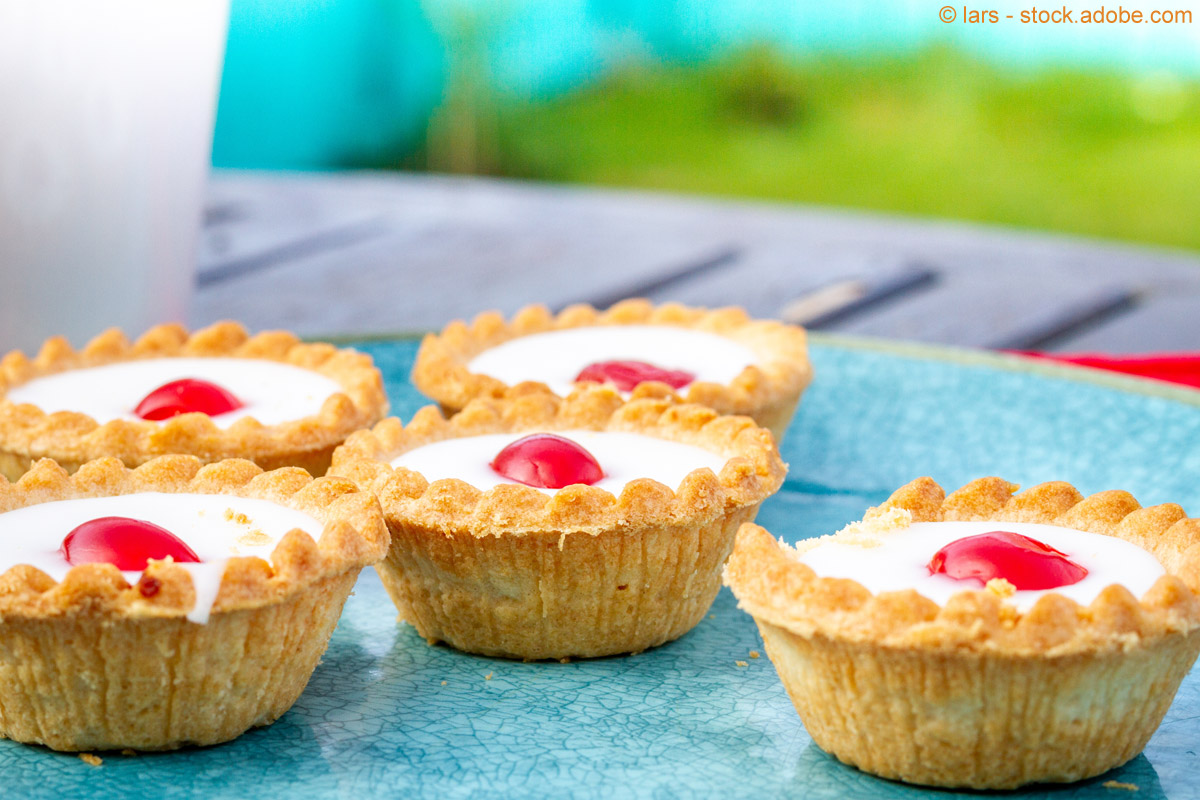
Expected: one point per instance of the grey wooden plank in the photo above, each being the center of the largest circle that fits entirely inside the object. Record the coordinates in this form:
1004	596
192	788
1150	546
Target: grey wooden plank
882	298
864	296
767	280
473	256
1042	331
1161	322
453	246
716	263
250	219
996	288
765	277
1017	308
285	250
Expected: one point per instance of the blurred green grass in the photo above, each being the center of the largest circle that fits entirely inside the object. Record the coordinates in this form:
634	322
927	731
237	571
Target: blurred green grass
932	133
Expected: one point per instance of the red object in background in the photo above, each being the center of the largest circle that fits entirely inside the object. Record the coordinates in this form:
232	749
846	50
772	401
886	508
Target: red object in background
125	542
1181	368
1024	562
626	375
186	396
548	462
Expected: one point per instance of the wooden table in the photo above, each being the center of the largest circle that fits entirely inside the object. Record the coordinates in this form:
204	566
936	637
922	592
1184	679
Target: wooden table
365	253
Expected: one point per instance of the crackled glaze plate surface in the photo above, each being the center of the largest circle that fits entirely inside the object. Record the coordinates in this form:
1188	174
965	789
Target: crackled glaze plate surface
385	714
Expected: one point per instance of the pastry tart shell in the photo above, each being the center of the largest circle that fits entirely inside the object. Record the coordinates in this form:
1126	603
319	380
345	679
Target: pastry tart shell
71	438
519	573
975	693
92	663
768	391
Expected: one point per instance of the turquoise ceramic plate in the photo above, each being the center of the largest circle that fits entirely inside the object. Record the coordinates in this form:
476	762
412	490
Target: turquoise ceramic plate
387	714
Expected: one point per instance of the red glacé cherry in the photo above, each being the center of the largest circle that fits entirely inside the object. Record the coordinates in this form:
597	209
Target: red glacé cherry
548	462
628	374
125	542
185	396
1024	562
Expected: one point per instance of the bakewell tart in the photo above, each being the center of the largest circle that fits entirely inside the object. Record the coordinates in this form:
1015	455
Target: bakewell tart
718	358
981	640
218	393
171	604
541	527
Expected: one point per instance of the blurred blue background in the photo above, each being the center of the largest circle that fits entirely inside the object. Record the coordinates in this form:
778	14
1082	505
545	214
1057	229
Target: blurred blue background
319	84
1084	128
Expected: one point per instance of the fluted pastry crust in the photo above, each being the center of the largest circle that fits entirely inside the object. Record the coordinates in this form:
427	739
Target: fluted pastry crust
976	693
27	433
353	537
516	572
94	663
767	391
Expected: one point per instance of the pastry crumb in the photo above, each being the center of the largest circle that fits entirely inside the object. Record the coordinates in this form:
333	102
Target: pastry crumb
742	663
89	758
443	683
565	660
236	517
886	518
754	654
254	538
128	752
1129	787
867	533
712	616
487	677
1000	587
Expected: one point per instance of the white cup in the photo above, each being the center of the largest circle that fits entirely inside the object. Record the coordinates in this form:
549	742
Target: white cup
106	119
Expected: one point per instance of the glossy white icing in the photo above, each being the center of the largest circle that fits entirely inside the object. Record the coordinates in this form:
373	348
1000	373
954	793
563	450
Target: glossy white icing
556	357
214	526
623	457
270	391
901	559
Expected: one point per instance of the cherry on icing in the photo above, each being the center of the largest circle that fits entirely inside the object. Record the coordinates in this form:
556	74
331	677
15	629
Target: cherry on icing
185	396
1024	562
548	462
125	542
628	374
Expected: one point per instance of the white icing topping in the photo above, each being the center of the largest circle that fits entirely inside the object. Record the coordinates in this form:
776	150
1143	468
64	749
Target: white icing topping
556	357
900	560
623	457
216	527
270	391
